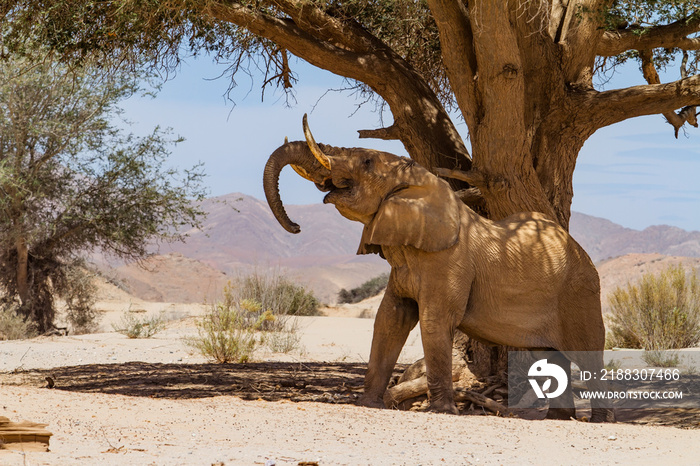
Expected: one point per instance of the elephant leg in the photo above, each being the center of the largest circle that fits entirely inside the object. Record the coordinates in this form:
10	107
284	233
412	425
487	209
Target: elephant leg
395	319
562	407
593	362
437	335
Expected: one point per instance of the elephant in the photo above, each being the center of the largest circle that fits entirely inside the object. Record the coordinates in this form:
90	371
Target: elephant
522	281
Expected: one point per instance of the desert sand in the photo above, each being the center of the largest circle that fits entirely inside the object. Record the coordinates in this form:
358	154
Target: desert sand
156	402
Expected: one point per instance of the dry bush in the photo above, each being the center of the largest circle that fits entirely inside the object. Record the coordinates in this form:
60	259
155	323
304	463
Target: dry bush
80	295
661	358
139	327
658	312
13	326
285	341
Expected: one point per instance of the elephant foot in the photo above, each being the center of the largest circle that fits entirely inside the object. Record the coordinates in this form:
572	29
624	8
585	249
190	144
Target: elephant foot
445	408
562	414
602	415
371	402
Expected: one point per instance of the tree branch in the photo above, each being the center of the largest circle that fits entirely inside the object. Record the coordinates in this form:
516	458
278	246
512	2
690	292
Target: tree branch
389	133
347	50
286	33
456	43
677	120
325	27
582	25
674	35
617	105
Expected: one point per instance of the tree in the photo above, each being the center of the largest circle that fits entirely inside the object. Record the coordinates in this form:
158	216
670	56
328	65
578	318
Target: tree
520	72
72	181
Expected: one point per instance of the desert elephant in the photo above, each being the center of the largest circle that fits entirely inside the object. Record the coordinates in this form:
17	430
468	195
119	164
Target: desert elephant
522	281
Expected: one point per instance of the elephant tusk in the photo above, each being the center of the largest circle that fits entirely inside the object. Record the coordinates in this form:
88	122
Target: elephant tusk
318	153
301	172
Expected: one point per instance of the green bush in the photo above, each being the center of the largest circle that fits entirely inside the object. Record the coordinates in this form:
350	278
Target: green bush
277	294
368	289
12	325
222	334
254	311
658	312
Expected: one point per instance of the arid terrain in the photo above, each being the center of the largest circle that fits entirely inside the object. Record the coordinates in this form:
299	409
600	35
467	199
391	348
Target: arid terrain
155	401
116	400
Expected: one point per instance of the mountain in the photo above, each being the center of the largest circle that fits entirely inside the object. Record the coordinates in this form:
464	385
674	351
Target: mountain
241	234
241	229
603	239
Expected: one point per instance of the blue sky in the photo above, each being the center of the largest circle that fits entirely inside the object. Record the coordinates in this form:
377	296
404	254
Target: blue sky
634	173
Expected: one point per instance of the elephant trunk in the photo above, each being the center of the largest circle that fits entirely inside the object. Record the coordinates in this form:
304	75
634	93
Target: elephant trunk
300	157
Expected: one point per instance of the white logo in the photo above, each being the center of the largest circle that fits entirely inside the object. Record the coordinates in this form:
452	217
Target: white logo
543	369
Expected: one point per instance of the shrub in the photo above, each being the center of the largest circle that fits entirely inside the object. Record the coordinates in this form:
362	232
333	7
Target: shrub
285	341
13	326
368	289
613	365
139	327
222	336
661	358
276	295
658	312
256	304
80	296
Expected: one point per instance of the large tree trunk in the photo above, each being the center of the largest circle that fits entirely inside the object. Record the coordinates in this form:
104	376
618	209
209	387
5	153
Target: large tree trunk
520	85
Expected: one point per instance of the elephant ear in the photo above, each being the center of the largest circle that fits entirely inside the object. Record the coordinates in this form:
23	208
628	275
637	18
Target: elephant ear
425	217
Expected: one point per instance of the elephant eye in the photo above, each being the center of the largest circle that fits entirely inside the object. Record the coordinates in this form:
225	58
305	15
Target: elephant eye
367	162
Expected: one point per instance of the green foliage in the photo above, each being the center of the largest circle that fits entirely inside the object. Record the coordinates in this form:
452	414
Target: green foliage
14	326
134	326
368	289
658	312
134	32
72	181
277	295
638	16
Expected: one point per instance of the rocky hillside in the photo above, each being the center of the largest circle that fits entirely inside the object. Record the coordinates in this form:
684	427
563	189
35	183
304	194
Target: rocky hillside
603	239
241	234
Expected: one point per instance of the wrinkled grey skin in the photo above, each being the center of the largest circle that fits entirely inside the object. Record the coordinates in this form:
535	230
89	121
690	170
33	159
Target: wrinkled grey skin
521	282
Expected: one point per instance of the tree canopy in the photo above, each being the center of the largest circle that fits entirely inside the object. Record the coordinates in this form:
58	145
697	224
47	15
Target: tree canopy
72	180
522	73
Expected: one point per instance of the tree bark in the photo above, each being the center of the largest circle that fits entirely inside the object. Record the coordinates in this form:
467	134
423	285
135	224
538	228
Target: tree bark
22	270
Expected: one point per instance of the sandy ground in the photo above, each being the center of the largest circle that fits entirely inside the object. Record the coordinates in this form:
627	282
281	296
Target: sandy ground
109	425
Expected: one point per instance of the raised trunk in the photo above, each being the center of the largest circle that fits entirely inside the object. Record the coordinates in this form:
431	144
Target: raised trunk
295	153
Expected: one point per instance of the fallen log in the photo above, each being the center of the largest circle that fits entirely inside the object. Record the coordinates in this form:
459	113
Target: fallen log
410	389
23	436
462	395
417	387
